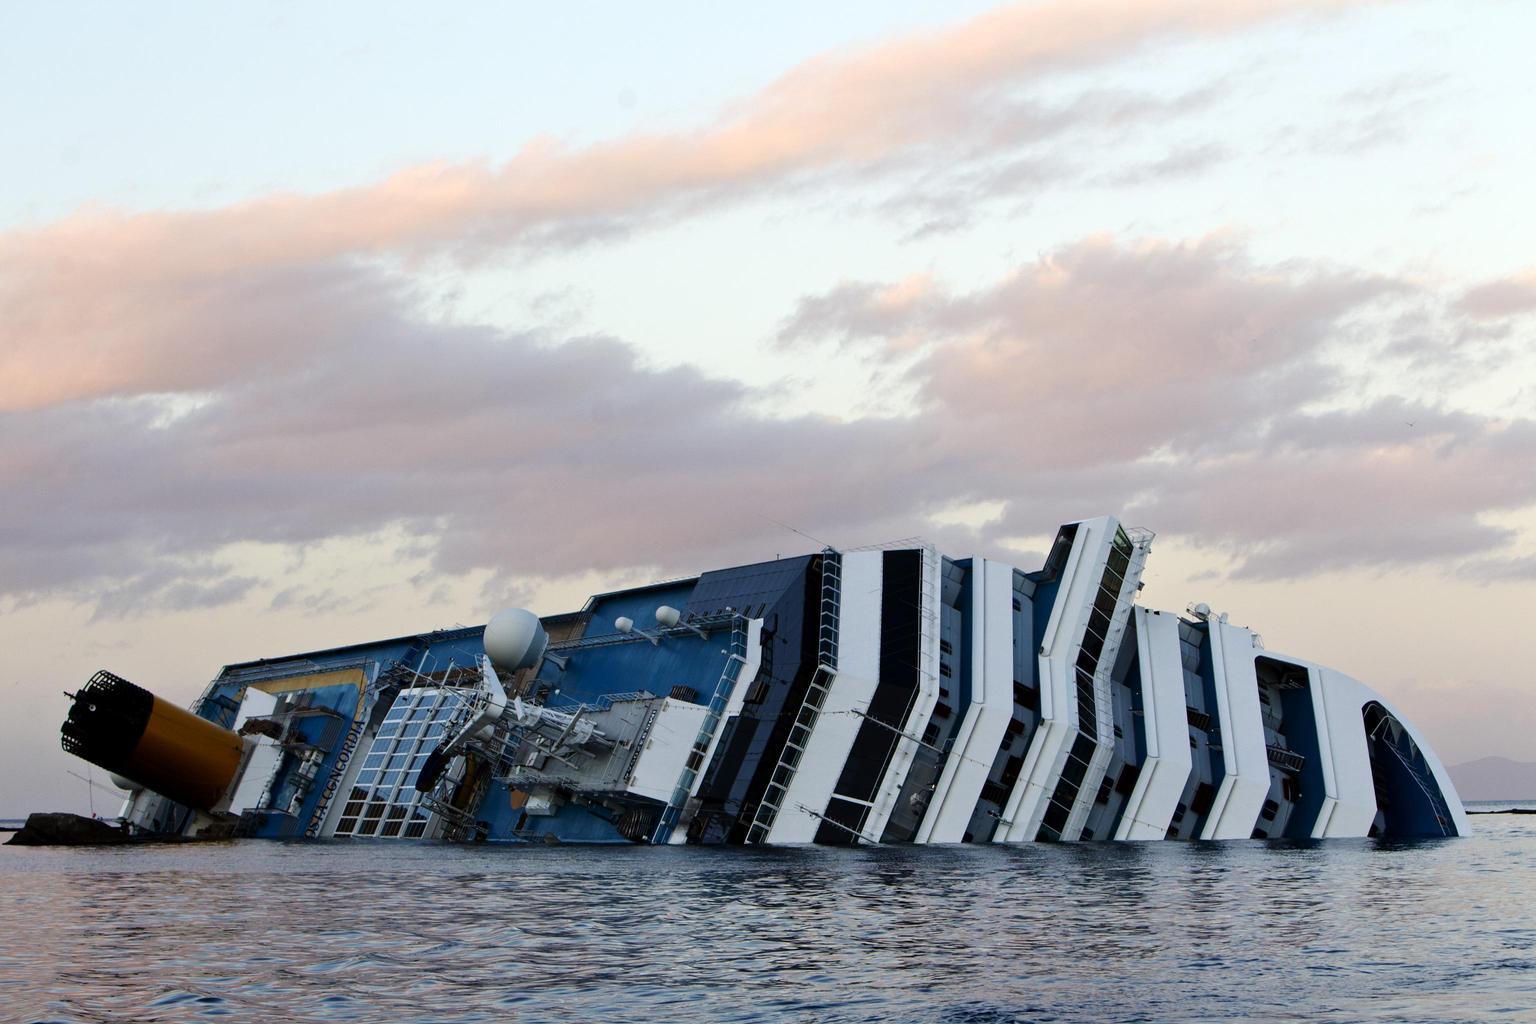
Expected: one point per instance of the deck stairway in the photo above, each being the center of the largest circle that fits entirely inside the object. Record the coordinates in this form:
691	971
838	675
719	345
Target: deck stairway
1286	760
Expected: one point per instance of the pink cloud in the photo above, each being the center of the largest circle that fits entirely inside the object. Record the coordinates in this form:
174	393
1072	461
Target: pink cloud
106	302
1176	381
1169	381
1506	297
1112	349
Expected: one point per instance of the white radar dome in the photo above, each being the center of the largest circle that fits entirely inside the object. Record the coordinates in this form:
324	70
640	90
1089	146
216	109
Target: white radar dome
515	639
122	782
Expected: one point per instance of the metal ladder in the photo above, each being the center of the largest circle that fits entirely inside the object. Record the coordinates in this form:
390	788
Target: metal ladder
736	657
810	708
458	826
831	608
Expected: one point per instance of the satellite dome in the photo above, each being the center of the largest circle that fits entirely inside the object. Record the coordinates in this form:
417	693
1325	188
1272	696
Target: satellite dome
515	639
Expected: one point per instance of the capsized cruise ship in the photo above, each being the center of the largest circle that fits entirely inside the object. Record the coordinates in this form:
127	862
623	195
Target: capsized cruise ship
887	695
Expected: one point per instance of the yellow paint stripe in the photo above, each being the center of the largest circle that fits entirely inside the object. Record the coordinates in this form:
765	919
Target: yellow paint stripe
340	677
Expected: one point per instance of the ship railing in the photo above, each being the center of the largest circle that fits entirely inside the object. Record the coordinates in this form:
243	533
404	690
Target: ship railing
684	629
290	669
1390	734
605	702
858	837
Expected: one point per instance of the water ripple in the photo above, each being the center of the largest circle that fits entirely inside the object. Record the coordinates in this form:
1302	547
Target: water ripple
377	932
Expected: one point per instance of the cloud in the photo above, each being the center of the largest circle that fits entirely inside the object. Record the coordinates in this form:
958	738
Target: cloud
174	383
1183	384
1020	156
1497	570
499	451
1371	117
1203	394
1110	349
1179	162
174	583
1493	300
114	303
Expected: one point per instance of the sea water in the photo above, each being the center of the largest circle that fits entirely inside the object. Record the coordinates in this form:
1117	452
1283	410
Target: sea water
1441	930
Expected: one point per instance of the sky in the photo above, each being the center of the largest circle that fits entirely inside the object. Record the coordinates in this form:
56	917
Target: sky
321	324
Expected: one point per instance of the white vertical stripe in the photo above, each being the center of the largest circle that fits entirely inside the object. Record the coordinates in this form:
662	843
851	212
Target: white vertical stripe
1245	763
1165	721
1063	635
986	721
858	673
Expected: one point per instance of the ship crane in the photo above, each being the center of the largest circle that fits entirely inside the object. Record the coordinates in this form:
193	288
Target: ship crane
514	640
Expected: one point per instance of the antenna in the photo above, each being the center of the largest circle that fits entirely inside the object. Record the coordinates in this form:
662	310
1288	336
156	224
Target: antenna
791	529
